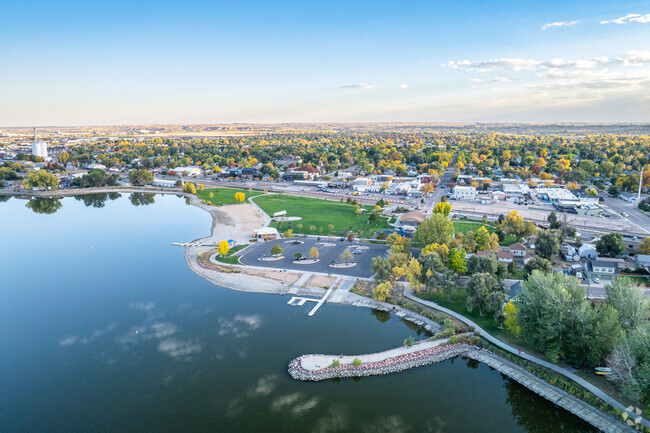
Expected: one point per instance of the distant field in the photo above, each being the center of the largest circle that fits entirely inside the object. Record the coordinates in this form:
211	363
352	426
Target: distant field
319	213
224	195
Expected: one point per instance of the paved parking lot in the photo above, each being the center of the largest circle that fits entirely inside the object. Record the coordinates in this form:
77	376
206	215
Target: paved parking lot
329	250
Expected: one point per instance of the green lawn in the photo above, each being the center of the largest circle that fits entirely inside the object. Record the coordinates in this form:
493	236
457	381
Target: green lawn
457	304
471	226
230	257
224	195
319	213
637	280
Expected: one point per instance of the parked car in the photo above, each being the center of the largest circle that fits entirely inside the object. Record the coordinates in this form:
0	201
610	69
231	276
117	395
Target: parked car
606	215
296	243
601	199
357	252
596	280
342	239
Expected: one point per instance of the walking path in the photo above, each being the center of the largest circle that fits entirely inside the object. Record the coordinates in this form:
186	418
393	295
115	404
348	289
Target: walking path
563	371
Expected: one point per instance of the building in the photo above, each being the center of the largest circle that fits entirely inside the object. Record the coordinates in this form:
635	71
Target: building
465	193
412	218
602	269
164	183
505	256
587	252
266	233
512	288
629	197
643	261
189	171
555	195
288	160
518	250
516	192
588	209
39	148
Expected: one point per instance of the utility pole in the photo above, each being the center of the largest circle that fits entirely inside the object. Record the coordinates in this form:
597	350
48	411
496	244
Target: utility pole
638	197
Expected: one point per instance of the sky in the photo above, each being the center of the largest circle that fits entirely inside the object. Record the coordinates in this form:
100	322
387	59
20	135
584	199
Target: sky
69	62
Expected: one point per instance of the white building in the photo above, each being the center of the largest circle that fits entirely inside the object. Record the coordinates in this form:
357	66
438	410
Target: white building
39	148
628	197
588	209
164	183
515	191
189	171
465	193
555	195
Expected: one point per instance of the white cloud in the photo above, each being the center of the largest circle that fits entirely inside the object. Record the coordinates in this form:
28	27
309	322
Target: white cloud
509	64
578	63
69	341
265	386
588	79
630	18
501	80
240	325
476	80
560	24
175	348
403	86
358	86
635	57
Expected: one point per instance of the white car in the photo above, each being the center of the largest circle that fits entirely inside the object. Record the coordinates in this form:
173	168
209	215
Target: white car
596	280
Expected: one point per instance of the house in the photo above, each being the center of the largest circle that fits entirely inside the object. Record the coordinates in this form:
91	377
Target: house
164	183
465	193
266	233
643	261
189	171
288	160
518	250
587	252
602	269
629	197
512	288
531	242
505	256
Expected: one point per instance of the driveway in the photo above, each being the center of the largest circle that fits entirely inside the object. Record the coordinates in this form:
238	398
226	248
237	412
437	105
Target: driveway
329	250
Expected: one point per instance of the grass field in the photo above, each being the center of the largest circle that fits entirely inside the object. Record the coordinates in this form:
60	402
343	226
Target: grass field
637	280
223	196
320	214
471	226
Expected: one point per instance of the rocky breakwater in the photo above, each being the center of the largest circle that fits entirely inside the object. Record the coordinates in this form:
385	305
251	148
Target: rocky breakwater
395	364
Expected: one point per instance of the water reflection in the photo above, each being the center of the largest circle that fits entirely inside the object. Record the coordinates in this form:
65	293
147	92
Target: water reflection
419	330
43	205
97	200
4	198
382	316
538	416
141	199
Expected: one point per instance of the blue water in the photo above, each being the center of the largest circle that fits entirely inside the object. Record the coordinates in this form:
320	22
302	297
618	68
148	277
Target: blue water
103	328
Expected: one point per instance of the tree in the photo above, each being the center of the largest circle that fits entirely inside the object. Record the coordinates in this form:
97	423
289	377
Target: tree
201	187
457	260
538	263
41	180
613	191
485	241
482	293
276	250
288	233
46	206
64	157
434	230
515	225
553	222
313	253
240	197
610	245
547	244
441	250
223	248
644	246
442	208
382	291
510	323
380	268
189	187
630	302
140	176
413	274
346	256
398	242
476	264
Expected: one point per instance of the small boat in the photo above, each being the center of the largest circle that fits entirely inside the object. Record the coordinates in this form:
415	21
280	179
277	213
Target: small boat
604	373
604	369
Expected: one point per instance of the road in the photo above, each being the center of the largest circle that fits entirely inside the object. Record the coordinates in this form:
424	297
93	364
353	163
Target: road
635	215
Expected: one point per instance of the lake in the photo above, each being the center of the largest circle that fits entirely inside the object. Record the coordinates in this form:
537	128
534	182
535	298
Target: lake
103	327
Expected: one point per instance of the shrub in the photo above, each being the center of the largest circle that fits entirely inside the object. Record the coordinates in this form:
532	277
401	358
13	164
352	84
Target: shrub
381	235
356	362
335	363
409	342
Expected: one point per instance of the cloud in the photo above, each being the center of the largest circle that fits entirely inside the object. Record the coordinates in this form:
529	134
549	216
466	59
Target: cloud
240	325
141	306
578	63
476	80
403	86
630	18
68	341
265	386
501	80
358	86
588	79
508	64
560	24
176	348
634	57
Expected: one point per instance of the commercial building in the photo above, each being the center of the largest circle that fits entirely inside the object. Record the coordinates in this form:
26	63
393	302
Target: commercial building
465	193
629	197
588	209
555	195
189	171
39	148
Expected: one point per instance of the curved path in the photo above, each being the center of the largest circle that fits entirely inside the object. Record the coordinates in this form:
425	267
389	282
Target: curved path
563	371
